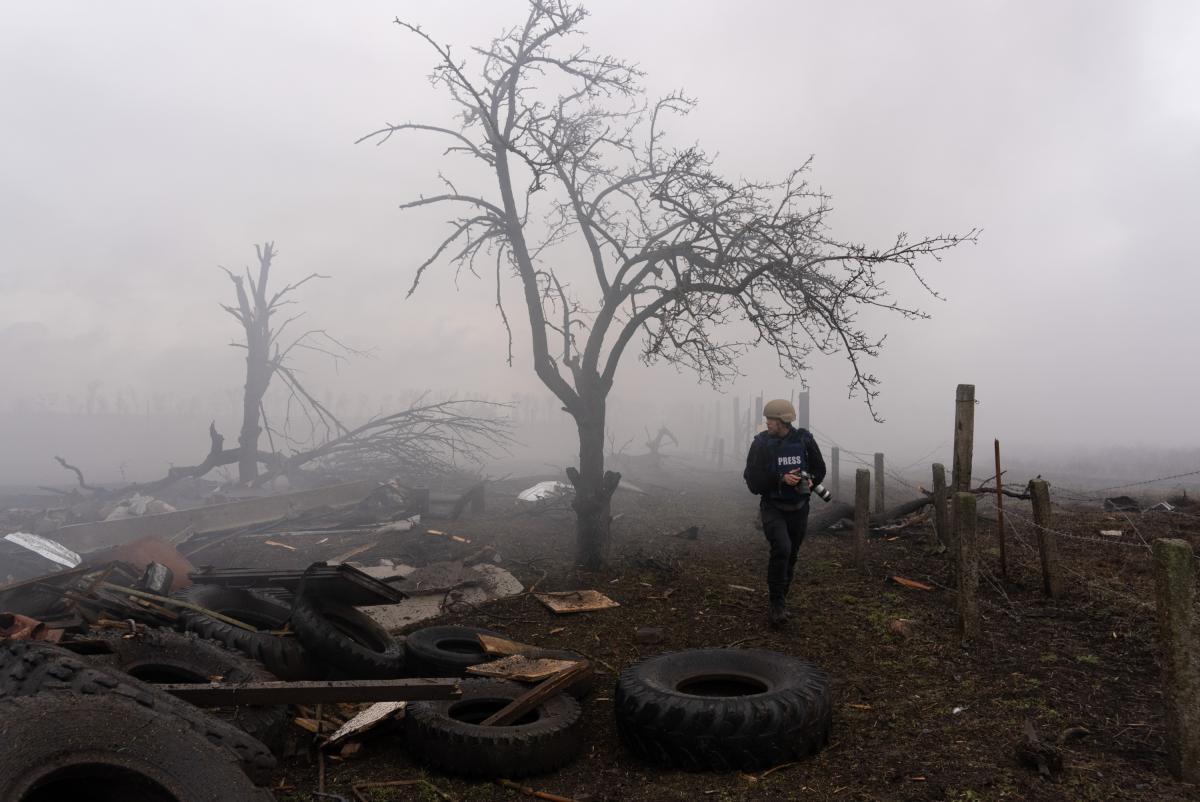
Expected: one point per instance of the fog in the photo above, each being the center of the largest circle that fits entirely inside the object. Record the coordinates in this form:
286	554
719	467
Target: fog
148	143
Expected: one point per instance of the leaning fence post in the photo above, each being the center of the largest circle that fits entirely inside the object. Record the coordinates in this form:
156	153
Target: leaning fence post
964	437
862	516
968	566
1175	586
878	482
1047	540
941	518
835	458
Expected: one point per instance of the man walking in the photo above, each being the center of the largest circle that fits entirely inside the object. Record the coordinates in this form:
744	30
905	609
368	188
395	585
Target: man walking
783	464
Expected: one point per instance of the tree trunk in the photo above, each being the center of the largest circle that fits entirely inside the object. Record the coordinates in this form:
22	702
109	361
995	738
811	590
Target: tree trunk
594	487
258	376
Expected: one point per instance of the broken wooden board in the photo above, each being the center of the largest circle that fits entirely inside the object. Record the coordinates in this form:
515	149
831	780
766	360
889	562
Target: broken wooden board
368	719
521	668
494	645
575	601
910	583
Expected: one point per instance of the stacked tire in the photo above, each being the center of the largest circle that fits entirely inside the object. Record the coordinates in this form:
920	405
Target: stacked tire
448	651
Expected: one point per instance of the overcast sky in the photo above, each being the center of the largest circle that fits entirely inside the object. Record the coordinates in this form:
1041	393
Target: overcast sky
146	143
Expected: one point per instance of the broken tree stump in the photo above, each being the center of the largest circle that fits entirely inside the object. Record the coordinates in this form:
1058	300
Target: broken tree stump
967	562
1175	590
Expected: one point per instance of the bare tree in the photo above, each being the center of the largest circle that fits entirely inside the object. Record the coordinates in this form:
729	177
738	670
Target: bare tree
673	250
267	356
427	439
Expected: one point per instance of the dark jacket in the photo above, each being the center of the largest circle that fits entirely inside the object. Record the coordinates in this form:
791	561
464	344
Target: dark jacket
763	474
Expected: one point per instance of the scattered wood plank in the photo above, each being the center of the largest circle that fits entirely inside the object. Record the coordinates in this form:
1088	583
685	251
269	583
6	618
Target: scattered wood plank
495	645
910	583
521	668
534	696
372	717
575	601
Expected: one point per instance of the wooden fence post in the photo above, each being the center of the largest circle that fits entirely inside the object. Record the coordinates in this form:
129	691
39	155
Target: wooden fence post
836	471
1047	540
1175	589
964	437
862	516
968	566
941	516
421	500
1000	517
802	409
737	422
878	482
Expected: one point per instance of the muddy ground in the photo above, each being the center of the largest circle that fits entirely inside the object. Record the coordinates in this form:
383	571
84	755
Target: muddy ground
915	718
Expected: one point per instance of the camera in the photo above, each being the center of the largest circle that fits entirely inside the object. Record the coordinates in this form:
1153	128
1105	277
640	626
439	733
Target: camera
817	489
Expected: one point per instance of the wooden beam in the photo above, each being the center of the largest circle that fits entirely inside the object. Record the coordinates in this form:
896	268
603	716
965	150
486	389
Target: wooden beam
533	697
215	694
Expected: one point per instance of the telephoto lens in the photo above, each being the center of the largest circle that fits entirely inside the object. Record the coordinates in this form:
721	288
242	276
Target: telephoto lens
819	490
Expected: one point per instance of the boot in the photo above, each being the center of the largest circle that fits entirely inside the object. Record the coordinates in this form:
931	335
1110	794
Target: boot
778	617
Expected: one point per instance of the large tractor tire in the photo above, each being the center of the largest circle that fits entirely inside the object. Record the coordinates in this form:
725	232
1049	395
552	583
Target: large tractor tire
723	709
64	745
163	656
31	668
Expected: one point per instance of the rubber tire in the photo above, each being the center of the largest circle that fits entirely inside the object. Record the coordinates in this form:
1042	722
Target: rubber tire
426	654
346	638
183	657
430	652
282	656
64	731
460	747
663	725
29	668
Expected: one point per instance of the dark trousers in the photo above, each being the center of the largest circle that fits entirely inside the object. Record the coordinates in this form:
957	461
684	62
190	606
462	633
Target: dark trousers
784	530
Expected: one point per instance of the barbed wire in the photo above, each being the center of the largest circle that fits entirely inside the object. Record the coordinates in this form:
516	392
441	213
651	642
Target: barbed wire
1102	541
1021	539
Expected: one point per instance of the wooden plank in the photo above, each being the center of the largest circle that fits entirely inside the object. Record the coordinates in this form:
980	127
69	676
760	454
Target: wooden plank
522	668
215	694
533	697
576	601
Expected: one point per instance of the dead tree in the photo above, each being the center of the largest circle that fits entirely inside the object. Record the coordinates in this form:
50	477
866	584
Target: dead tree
673	251
266	357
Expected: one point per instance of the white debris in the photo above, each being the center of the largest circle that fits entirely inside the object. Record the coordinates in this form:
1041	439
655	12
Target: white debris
1162	506
494	583
403	525
138	505
545	490
1111	532
52	551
